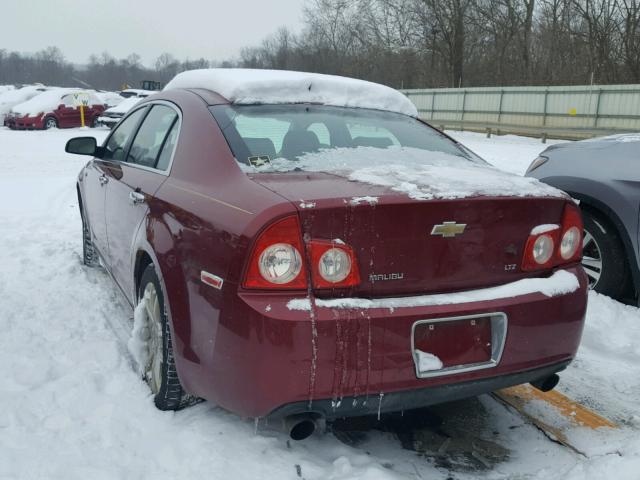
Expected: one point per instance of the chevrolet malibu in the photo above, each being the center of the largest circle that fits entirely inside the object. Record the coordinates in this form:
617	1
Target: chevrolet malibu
302	247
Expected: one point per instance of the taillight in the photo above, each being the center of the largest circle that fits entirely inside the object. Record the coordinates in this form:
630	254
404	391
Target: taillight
333	265
570	248
276	260
540	248
552	245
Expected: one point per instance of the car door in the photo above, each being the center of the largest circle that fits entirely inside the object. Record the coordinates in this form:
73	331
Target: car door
67	113
132	186
98	173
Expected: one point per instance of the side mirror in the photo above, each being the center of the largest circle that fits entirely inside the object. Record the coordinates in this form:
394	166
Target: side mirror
82	146
61	106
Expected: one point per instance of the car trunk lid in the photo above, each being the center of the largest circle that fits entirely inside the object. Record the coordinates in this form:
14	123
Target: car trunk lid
406	246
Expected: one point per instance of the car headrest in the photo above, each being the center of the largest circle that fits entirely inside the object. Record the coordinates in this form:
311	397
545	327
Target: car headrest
298	142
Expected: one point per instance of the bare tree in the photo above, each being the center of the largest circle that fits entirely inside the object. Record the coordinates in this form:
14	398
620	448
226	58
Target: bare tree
629	32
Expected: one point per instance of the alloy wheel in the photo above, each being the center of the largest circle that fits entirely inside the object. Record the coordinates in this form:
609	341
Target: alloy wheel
591	259
153	369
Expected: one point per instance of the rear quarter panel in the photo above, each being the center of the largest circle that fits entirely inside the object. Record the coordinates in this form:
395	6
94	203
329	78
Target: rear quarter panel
204	218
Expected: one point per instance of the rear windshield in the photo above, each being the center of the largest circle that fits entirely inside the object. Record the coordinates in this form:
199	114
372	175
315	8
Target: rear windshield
282	137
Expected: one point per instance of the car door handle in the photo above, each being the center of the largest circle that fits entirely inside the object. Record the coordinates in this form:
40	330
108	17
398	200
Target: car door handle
103	179
136	198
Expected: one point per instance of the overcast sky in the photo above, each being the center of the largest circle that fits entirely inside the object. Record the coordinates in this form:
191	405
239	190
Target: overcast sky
213	29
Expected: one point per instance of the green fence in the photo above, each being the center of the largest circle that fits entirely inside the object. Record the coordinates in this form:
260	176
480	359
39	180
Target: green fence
559	111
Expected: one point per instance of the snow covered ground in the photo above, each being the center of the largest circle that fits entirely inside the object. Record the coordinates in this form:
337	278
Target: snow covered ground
72	406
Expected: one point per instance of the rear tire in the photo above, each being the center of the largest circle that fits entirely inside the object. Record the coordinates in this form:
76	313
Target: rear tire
604	258
160	372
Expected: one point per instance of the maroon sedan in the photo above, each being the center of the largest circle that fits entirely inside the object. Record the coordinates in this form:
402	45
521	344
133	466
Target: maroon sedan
56	108
303	247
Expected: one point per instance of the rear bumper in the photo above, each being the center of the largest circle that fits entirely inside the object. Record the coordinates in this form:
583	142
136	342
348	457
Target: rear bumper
259	356
411	399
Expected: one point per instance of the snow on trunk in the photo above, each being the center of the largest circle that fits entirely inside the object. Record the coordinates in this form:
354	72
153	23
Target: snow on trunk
421	174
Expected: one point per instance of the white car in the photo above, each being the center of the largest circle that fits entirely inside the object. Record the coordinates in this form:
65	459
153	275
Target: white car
11	98
110	99
112	115
136	92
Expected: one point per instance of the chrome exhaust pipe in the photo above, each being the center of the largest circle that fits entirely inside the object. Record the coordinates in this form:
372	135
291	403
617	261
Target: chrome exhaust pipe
547	383
301	426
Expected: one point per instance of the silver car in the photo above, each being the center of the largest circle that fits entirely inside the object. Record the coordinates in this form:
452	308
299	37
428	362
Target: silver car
604	175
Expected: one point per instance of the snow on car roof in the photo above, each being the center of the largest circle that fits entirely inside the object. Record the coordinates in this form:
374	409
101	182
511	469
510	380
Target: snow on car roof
109	98
21	94
621	137
124	106
139	92
248	86
49	100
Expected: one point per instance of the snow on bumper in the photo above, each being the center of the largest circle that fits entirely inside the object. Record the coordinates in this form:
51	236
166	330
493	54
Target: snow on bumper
560	283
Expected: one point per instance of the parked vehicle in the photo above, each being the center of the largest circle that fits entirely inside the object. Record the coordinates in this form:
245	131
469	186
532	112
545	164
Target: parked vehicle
56	108
111	116
151	85
603	175
11	98
109	99
136	92
303	247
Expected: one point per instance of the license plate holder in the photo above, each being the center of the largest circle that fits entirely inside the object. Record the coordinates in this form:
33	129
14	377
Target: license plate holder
461	344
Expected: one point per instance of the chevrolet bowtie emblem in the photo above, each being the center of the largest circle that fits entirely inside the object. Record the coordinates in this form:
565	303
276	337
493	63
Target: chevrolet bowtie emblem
448	229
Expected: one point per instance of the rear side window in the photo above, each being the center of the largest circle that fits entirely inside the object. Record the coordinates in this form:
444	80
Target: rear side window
115	147
150	138
169	145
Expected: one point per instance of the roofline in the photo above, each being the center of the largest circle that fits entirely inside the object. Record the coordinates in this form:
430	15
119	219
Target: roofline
208	96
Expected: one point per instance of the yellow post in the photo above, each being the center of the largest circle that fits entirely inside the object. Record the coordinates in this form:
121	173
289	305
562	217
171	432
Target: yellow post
82	114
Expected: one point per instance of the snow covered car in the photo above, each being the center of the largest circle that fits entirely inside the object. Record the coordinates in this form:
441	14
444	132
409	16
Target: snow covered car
302	247
136	92
603	174
109	99
111	116
56	108
11	98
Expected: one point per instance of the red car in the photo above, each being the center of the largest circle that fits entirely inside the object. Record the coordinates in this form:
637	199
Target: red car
302	247
57	108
